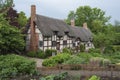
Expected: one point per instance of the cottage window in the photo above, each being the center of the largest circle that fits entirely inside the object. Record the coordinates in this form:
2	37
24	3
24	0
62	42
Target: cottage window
41	43
88	44
74	44
53	43
65	42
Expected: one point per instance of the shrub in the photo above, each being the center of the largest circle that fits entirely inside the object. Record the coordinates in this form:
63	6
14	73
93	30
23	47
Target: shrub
86	56
12	65
109	50
40	54
32	54
82	48
48	52
94	77
60	76
67	50
98	61
75	60
116	48
96	55
58	59
94	50
106	62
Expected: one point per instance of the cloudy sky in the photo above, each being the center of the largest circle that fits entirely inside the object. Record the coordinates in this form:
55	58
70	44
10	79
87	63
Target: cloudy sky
60	8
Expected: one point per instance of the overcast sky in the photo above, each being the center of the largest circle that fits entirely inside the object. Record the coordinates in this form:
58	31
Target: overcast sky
60	8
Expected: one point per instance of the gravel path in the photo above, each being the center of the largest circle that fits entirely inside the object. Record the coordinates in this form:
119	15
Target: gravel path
38	62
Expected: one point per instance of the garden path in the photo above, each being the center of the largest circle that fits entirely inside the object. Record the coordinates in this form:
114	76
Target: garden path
38	62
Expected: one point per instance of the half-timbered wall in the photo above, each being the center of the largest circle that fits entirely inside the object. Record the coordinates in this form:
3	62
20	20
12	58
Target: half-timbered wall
52	42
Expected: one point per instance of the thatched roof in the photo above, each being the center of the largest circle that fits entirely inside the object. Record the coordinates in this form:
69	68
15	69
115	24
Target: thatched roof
81	33
48	26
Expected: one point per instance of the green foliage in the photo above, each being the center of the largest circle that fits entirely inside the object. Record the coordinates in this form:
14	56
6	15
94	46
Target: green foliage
89	15
13	65
22	19
96	54
71	16
101	40
67	50
85	56
5	4
94	50
11	39
48	52
60	76
109	50
32	54
112	49
75	60
58	59
94	77
40	54
106	62
82	47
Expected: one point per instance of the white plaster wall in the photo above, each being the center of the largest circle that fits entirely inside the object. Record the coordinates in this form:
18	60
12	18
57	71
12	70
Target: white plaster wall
45	43
65	37
54	37
50	43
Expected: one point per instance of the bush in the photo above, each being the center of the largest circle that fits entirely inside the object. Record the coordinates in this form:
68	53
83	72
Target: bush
94	77
58	59
86	56
106	62
109	50
12	65
60	76
82	48
94	50
67	50
40	54
97	61
116	48
96	55
48	52
75	60
32	54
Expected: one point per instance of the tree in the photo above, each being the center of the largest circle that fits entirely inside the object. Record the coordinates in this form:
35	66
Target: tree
12	16
71	16
22	19
89	15
5	5
116	29
11	39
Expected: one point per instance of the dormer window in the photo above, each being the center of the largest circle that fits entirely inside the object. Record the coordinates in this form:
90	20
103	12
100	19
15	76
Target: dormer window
66	33
55	32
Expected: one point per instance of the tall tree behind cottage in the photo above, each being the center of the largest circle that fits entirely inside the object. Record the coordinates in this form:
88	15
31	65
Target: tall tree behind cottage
89	15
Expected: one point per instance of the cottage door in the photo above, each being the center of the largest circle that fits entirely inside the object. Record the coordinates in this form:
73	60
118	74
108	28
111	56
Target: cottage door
58	46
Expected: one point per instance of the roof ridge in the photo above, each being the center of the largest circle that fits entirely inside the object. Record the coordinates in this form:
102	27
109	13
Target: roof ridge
49	17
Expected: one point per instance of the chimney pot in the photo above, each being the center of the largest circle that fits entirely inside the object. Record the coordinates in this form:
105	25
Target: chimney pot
85	25
72	22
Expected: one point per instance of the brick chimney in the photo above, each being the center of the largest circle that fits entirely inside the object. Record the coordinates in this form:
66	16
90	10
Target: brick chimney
85	25
32	29
72	22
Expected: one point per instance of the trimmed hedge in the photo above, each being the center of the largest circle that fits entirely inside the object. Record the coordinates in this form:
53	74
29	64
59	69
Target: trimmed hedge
55	60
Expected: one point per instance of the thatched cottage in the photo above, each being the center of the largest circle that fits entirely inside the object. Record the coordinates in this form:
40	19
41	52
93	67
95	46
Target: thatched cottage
49	33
